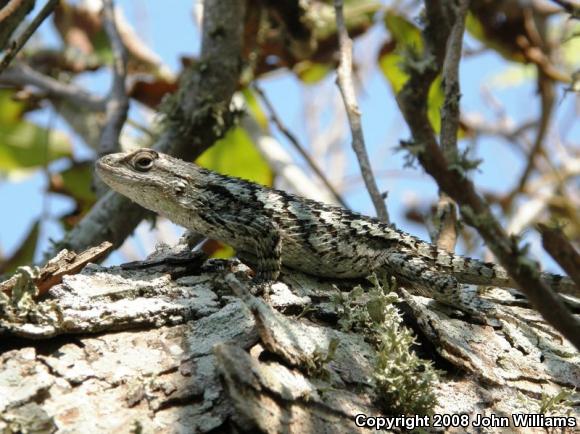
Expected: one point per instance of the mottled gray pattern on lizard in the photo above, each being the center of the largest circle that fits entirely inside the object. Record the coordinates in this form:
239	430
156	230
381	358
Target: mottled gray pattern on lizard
269	228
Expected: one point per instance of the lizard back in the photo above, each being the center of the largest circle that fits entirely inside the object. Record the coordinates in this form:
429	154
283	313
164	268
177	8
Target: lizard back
307	235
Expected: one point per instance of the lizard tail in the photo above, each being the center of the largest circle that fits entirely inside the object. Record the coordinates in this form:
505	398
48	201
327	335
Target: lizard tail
487	273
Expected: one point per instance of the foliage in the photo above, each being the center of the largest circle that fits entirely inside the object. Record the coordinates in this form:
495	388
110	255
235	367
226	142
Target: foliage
236	155
407	43
25	146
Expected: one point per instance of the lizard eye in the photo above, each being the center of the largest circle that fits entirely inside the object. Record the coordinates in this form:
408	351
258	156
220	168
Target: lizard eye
143	163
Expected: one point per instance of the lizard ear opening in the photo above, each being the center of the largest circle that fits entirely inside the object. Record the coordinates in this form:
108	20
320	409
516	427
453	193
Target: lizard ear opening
143	161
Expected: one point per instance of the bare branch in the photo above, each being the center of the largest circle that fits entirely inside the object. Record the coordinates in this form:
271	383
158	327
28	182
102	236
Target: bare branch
117	101
546	89
573	8
563	252
9	8
292	138
19	43
446	236
23	75
346	86
450	110
11	16
413	103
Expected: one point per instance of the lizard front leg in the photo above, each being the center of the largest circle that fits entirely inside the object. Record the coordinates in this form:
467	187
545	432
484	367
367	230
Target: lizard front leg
265	257
258	244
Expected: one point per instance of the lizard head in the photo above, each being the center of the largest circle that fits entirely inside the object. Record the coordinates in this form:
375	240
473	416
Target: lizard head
153	180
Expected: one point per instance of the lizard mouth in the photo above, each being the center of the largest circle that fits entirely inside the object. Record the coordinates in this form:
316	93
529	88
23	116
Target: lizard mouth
104	167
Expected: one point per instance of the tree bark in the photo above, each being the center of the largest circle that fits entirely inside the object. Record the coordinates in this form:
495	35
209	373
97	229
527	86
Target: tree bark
165	346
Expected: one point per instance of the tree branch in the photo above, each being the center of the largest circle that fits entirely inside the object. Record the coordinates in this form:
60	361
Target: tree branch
9	8
563	252
17	45
346	87
412	101
546	90
23	75
117	101
446	235
572	8
11	15
450	109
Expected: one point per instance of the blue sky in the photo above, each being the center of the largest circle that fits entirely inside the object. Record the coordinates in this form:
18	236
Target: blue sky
383	125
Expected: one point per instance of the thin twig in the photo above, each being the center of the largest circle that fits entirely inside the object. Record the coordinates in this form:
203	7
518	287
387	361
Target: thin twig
9	9
572	8
546	89
346	86
23	75
117	101
292	138
450	109
446	236
413	104
17	45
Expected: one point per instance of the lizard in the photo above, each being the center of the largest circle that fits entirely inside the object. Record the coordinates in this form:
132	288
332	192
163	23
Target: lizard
271	228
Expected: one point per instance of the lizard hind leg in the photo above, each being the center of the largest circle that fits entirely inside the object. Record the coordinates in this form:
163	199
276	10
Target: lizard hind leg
448	291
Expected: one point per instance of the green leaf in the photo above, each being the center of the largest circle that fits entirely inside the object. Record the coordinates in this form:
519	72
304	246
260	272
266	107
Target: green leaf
24	254
358	17
10	110
571	48
512	76
236	155
435	101
102	47
255	108
75	182
24	145
404	32
311	72
27	145
407	39
391	67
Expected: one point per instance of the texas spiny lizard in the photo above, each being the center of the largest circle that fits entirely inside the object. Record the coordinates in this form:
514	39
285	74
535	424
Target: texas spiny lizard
269	228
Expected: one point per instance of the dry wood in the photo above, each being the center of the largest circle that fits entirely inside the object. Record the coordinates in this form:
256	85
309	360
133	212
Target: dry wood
63	264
